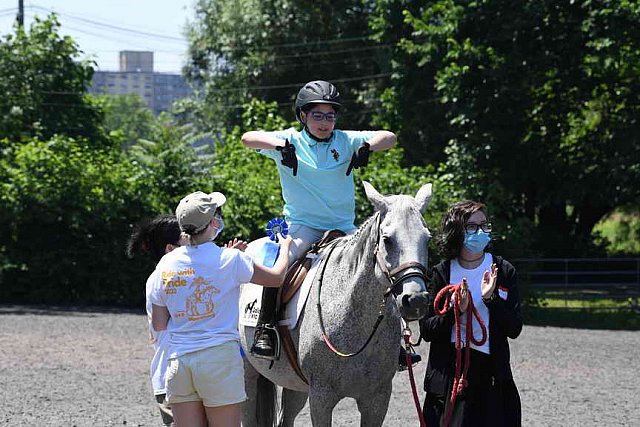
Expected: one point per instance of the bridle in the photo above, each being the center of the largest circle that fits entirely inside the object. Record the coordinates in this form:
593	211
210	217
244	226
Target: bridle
395	277
400	273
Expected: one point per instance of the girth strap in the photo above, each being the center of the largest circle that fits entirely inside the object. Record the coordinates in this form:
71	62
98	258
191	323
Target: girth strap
290	351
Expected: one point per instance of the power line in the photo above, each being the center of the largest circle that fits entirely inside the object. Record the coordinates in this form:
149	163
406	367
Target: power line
298	85
128	41
301	44
110	26
183	40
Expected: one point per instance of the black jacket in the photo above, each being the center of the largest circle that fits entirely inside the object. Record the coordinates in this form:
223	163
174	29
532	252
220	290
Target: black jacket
505	321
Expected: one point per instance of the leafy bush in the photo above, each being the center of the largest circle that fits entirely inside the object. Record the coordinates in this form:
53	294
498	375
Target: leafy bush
66	211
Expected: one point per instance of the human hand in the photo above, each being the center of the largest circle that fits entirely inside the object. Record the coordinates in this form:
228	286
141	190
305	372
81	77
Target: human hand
285	241
360	158
489	282
464	296
236	243
289	159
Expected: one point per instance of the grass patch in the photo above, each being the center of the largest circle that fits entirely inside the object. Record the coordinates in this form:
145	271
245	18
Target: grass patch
604	313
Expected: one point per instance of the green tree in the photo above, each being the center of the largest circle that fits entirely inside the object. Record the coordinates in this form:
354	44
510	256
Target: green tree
128	115
67	209
267	49
171	164
540	100
619	232
43	84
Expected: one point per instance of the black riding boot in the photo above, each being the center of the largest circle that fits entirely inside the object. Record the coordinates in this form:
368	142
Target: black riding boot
264	340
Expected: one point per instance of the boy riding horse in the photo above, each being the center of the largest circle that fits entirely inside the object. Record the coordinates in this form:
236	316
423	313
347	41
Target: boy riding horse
315	167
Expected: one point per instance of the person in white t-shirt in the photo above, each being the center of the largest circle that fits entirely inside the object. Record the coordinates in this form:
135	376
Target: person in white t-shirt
195	297
156	237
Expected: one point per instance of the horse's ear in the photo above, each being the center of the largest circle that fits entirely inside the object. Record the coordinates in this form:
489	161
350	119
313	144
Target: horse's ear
423	196
376	199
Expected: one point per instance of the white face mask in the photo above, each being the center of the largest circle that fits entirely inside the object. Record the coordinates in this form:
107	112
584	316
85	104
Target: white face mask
220	222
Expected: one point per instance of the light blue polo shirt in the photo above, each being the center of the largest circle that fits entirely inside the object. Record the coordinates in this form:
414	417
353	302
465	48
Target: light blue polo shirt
321	195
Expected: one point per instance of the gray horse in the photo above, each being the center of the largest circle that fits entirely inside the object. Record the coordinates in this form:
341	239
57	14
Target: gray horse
387	253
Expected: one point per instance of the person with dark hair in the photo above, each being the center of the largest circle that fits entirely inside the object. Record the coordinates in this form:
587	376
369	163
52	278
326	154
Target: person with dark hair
469	381
156	237
315	167
195	296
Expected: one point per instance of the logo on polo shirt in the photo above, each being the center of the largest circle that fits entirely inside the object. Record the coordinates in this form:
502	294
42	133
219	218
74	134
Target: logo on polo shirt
336	155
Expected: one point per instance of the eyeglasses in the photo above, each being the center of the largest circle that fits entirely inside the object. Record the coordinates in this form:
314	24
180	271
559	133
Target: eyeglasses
319	116
473	228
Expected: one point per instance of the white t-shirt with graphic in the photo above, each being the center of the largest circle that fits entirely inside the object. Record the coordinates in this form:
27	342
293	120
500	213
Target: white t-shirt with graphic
474	281
200	286
160	342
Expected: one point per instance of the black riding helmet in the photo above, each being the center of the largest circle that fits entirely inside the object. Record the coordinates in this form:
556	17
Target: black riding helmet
317	92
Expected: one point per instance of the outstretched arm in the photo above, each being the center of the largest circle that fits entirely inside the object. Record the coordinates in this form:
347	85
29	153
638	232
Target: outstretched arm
383	140
274	276
261	140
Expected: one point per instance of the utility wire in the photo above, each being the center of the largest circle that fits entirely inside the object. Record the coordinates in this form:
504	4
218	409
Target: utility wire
110	26
182	39
297	85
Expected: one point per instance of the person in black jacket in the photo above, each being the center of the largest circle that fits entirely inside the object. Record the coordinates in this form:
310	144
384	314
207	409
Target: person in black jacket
489	396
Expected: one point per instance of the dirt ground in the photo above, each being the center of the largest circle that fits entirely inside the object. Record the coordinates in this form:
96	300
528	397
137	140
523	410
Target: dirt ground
65	367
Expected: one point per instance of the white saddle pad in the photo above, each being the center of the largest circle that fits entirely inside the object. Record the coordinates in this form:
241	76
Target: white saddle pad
251	296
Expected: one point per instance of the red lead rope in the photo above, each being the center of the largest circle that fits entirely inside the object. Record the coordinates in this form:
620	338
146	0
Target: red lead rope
460	379
416	399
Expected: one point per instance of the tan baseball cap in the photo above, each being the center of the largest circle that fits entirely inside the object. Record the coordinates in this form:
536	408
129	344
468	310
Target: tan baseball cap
196	210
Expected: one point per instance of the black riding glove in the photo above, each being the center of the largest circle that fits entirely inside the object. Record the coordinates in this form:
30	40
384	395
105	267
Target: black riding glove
360	158
289	158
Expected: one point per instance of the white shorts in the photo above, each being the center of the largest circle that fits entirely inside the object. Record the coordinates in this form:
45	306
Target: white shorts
303	237
214	376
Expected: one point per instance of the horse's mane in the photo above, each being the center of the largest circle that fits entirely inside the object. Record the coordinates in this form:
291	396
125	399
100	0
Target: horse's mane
356	243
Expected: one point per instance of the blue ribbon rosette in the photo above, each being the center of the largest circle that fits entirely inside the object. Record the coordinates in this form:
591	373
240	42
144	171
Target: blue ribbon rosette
268	253
275	226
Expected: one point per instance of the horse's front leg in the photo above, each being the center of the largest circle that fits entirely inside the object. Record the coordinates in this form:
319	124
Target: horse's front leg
322	400
373	407
292	404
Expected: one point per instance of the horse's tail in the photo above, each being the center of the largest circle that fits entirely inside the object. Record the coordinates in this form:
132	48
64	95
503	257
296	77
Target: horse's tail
266	403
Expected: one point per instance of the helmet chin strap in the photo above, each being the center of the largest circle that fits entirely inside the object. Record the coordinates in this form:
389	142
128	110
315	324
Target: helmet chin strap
315	138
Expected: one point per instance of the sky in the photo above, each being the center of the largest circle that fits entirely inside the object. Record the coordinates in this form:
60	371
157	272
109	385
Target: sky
102	28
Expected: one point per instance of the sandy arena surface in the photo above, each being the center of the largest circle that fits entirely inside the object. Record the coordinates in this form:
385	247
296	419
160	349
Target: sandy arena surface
64	367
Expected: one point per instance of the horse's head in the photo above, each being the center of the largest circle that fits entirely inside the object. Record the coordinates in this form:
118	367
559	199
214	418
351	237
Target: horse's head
401	250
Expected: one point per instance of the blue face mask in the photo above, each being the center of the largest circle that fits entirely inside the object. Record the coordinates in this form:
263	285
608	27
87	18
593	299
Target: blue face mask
476	242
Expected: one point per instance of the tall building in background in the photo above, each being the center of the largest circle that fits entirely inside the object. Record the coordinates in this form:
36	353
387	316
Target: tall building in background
136	61
136	76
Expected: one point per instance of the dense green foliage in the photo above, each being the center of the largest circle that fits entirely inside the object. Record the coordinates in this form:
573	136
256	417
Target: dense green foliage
267	49
43	86
619	232
70	192
128	116
66	210
538	103
531	107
